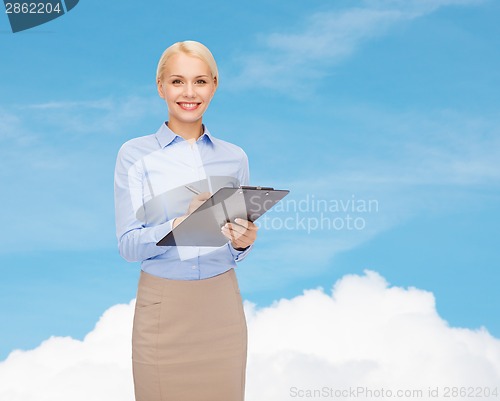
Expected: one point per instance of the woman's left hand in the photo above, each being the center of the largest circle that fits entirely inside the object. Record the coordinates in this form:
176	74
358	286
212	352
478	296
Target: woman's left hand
242	233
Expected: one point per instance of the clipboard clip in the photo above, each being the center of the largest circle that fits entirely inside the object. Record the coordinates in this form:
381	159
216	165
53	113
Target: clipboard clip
259	188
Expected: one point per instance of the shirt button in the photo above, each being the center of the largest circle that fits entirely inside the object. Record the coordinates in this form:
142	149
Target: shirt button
193	267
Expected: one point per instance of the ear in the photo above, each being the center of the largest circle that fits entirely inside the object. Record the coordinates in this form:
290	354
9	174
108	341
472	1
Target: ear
159	86
215	87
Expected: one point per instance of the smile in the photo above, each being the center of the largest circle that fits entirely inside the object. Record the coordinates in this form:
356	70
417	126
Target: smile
188	106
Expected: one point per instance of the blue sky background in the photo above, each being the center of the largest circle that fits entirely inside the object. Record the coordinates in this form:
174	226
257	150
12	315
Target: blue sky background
394	101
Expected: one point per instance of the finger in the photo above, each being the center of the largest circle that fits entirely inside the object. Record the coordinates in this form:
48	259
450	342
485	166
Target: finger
247	224
235	228
241	242
203	196
230	236
247	237
233	234
251	232
243	234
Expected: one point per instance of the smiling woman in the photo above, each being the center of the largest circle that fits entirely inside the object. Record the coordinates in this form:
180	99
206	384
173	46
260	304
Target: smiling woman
189	339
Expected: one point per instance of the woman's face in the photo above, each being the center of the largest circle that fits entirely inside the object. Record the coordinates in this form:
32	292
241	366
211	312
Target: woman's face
187	87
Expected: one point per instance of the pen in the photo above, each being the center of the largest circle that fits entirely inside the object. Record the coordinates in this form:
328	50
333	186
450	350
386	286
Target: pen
193	190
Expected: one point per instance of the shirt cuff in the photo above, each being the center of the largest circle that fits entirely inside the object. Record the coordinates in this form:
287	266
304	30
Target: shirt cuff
238	255
162	230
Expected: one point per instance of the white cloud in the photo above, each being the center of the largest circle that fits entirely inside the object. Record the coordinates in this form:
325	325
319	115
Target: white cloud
416	149
418	7
364	334
103	104
322	40
11	129
62	368
41	124
109	115
62	153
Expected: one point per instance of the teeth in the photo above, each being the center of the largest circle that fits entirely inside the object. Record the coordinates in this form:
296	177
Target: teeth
189	105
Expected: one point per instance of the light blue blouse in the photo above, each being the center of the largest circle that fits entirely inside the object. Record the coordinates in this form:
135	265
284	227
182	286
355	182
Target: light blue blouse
150	177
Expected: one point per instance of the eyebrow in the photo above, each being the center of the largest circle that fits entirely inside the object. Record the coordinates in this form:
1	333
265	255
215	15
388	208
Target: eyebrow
180	76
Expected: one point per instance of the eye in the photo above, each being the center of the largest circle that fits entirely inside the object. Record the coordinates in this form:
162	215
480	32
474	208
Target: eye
201	82
176	81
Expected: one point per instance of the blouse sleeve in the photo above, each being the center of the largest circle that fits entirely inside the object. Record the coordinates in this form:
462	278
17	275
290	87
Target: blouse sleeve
136	242
244	178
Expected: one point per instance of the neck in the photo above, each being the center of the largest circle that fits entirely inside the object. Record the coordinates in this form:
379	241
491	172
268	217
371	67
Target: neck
189	131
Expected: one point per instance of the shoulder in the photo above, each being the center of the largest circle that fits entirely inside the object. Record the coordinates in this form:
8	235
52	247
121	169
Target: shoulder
230	148
136	148
140	144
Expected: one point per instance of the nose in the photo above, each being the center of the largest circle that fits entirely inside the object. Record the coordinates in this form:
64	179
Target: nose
189	90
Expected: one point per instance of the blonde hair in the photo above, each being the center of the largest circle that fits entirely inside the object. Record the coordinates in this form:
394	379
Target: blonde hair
191	48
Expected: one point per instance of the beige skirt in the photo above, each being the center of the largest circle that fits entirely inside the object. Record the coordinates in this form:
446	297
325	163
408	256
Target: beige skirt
189	341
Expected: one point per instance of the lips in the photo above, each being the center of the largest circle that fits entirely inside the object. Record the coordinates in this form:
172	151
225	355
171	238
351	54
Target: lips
188	106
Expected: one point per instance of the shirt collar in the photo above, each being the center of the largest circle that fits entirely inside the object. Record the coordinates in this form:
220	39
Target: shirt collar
166	136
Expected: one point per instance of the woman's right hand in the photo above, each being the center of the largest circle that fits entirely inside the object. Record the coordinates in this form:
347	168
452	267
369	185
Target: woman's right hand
196	202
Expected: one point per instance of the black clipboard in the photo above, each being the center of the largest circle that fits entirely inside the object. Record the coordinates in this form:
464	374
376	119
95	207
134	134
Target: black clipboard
203	226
